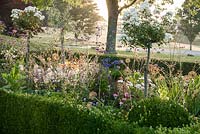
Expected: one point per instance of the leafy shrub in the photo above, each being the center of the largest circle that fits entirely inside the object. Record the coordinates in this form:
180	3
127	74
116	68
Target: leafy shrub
155	112
192	129
192	95
2	27
14	80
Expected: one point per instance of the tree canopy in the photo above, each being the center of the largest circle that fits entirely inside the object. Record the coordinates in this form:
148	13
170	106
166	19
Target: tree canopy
190	20
85	18
47	3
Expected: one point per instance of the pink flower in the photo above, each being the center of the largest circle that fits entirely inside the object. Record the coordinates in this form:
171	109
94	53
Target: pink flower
115	96
126	95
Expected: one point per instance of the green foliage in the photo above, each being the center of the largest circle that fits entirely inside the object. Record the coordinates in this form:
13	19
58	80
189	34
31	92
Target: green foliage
192	96
58	14
43	4
192	129
85	18
143	38
189	3
22	114
138	64
2	27
190	19
10	51
15	81
155	112
183	90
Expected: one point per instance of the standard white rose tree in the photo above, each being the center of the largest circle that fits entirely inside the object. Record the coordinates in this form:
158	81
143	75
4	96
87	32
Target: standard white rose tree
144	25
28	21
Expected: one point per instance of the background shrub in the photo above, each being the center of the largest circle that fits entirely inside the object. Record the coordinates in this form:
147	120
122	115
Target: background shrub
155	112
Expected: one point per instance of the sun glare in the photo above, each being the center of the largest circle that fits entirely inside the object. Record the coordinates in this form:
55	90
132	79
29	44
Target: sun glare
103	11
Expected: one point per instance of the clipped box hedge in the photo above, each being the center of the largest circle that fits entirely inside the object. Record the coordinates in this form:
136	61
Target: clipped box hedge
25	114
138	64
32	114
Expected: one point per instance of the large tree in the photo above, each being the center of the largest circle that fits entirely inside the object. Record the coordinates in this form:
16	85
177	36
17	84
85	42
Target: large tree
190	20
113	12
85	18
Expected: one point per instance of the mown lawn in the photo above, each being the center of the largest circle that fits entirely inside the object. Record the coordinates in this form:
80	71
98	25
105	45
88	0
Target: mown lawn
45	41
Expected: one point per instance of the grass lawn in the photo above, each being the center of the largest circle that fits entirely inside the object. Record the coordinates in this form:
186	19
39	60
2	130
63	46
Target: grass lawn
47	40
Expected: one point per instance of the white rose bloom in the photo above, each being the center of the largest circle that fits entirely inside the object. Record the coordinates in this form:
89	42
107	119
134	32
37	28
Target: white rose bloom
39	15
15	13
168	37
42	17
137	23
133	18
14	16
126	15
120	81
30	9
145	6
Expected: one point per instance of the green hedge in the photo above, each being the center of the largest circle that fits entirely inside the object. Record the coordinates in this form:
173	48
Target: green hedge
138	64
25	114
155	112
31	114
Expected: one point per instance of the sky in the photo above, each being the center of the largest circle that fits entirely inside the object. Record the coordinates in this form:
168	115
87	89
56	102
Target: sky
103	9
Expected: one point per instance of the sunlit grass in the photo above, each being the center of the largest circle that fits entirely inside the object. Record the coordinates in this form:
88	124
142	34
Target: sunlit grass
45	41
